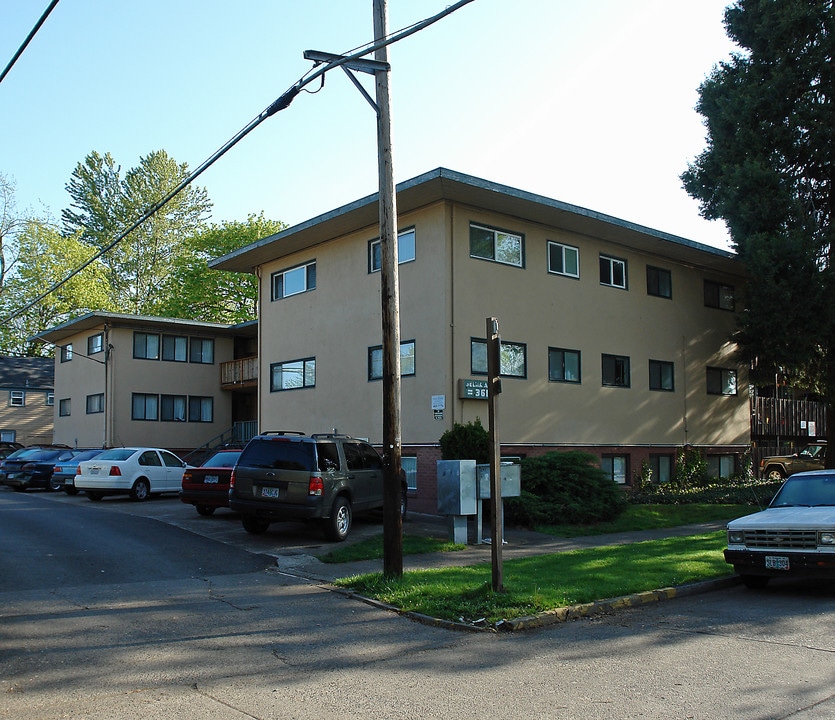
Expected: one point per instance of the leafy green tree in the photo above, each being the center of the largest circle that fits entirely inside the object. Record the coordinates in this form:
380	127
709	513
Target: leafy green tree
469	441
10	225
47	256
105	204
194	291
767	172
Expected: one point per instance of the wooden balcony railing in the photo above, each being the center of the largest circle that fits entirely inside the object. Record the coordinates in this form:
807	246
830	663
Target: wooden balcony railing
239	374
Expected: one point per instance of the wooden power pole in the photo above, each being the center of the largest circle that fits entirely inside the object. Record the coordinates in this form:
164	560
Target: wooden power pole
390	293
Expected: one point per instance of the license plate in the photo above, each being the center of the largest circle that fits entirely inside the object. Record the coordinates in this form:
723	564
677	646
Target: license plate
210	479
776	562
94	471
270	492
9	476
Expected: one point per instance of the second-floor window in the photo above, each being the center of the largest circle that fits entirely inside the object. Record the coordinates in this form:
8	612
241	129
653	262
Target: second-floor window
719	296
202	351
405	250
612	272
513	358
497	245
64	407
17	398
293	375
407	360
661	375
66	352
146	346
659	282
616	371
721	381
563	365
175	348
95	344
95	403
293	281
563	259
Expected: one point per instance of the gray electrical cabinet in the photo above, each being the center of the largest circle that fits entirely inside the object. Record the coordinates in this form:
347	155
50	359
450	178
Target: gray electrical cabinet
457	490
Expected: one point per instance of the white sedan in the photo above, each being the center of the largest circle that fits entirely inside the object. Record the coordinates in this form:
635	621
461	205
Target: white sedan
136	471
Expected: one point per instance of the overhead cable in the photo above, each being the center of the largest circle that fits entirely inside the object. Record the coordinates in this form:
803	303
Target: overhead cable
29	38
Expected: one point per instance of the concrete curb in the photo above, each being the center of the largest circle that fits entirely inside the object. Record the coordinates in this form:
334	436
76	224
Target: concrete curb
557	615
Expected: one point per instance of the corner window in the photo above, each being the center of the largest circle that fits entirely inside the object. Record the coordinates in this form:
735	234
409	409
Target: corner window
202	351
659	282
563	365
497	245
407	360
95	344
64	407
719	296
721	381
172	408
612	272
405	250
200	409
294	281
95	403
661	375
616	467
66	352
174	348
616	371
17	398
144	407
146	346
513	358
563	259
293	375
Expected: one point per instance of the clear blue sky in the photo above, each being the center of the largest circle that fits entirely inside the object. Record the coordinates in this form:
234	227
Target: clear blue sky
590	103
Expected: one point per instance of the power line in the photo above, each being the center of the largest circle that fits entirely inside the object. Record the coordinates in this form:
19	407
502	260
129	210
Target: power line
28	39
282	102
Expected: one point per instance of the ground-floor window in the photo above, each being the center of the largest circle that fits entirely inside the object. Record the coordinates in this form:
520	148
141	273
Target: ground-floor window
409	465
661	467
616	467
721	466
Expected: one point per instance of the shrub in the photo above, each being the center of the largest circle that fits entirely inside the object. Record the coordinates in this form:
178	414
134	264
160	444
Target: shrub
466	442
564	487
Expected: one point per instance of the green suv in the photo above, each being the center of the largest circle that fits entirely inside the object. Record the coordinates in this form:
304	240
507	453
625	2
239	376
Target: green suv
779	467
292	476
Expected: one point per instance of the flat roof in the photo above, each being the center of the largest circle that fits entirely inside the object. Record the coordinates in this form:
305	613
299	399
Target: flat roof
443	184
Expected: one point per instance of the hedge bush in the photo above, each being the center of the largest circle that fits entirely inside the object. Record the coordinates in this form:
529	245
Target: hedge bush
564	487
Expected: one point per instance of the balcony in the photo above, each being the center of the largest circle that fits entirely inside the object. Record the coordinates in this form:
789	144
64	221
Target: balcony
239	374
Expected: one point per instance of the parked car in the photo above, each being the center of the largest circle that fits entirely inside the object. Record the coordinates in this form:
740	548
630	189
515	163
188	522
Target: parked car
7	448
207	487
34	469
29	450
63	474
292	476
793	537
137	471
776	467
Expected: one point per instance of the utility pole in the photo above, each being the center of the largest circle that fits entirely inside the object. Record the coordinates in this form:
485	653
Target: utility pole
494	387
390	294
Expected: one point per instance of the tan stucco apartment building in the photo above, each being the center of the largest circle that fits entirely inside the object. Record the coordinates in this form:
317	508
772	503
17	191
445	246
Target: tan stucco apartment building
123	380
26	400
615	336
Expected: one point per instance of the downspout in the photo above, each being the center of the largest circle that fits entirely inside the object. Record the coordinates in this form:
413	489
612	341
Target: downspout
107	394
261	376
684	375
453	399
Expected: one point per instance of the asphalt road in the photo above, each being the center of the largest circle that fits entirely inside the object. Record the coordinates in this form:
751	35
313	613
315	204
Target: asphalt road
216	635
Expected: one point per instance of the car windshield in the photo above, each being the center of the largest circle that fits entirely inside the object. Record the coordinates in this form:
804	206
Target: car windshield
806	491
86	455
223	459
116	454
23	452
811	451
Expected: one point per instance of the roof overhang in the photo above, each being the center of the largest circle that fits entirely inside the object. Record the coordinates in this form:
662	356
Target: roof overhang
447	185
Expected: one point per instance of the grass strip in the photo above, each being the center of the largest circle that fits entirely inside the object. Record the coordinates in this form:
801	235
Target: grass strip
372	548
546	582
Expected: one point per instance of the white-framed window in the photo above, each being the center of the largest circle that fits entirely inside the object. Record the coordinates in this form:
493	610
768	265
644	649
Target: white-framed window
513	358
499	246
407	360
64	407
50	399
661	375
172	408
719	296
293	375
721	381
17	398
8	435
612	271
144	406
95	344
563	365
66	352
563	259
146	346
200	409
95	403
202	351
409	465
616	467
294	280
405	250
615	371
175	348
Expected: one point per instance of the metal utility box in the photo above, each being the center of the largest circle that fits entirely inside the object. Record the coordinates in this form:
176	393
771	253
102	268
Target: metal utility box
456	487
511	475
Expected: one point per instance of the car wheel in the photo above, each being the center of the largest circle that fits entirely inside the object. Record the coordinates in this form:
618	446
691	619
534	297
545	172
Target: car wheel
205	509
255	525
774	474
141	490
55	485
338	525
94	495
755	582
70	490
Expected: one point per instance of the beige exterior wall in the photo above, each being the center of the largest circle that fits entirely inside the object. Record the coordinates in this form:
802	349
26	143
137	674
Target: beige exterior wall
28	424
445	298
126	375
